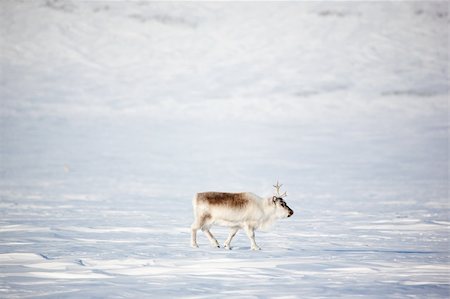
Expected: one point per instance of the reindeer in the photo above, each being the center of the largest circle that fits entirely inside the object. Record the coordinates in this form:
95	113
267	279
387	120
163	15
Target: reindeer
237	210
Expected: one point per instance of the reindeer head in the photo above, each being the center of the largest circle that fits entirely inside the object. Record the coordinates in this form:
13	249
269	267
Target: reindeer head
282	209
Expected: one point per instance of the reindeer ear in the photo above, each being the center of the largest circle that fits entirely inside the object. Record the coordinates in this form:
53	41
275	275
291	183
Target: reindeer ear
274	199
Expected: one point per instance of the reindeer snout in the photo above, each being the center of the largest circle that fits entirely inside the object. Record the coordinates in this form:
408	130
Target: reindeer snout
290	213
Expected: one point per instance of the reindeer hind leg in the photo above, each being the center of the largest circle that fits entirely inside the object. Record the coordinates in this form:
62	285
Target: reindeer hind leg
206	223
211	238
201	222
198	223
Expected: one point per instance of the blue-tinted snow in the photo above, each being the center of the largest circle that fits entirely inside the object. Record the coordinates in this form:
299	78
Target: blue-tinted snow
113	114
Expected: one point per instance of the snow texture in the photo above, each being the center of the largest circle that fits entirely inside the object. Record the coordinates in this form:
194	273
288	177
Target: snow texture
113	114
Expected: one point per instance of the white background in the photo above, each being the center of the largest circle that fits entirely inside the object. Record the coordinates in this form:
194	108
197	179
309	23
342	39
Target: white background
113	114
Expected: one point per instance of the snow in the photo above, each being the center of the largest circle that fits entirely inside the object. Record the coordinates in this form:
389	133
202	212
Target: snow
113	114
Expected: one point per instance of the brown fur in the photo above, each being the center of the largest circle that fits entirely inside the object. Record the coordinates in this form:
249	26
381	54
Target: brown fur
205	218
232	200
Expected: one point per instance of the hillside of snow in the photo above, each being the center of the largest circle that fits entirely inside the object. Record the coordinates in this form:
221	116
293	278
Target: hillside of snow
113	114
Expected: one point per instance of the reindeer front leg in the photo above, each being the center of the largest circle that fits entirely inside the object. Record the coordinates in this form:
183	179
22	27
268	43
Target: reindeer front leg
251	235
233	231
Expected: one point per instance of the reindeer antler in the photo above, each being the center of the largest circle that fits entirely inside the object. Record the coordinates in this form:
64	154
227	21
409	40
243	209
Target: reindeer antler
277	187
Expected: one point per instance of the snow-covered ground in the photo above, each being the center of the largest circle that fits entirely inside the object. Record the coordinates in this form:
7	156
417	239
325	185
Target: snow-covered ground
113	114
